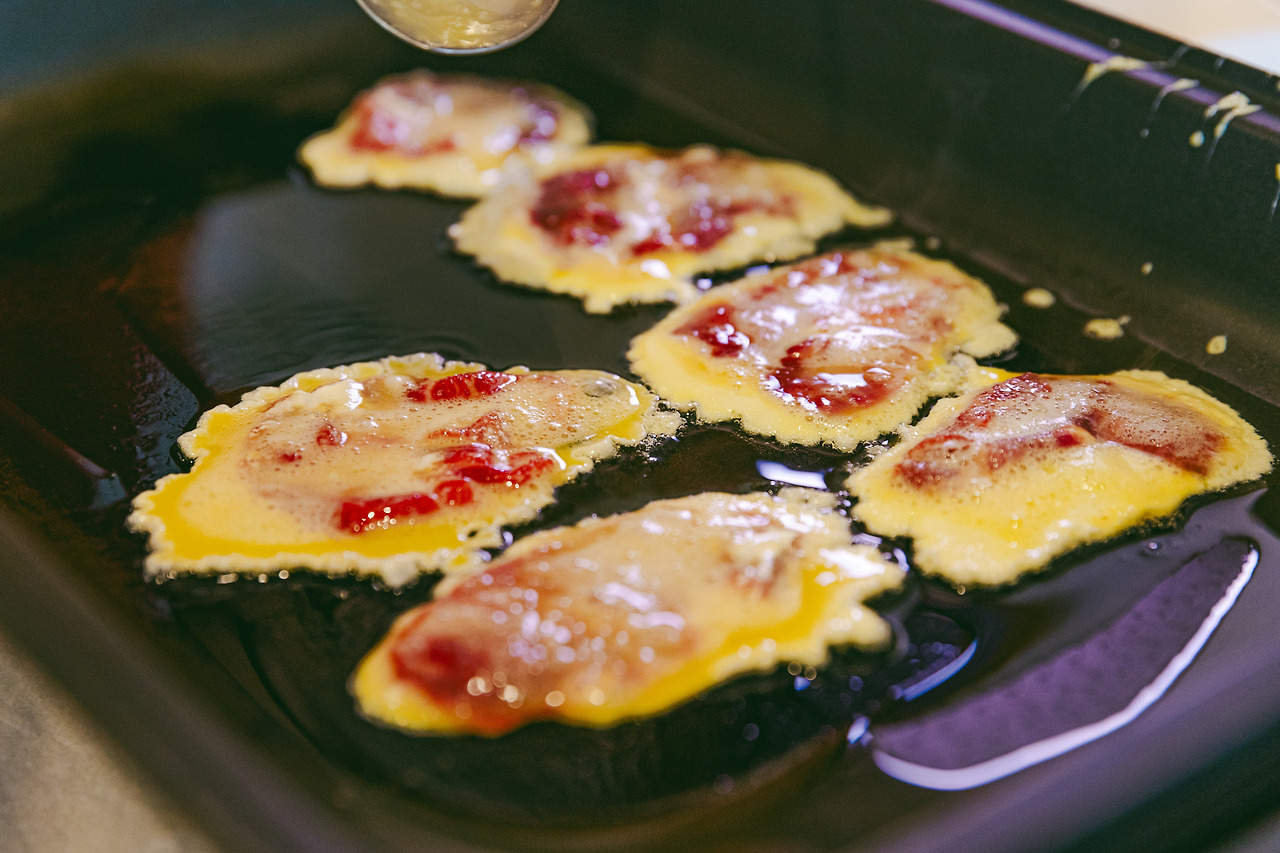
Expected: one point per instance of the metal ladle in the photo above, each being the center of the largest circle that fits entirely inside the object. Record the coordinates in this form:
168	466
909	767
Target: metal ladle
460	26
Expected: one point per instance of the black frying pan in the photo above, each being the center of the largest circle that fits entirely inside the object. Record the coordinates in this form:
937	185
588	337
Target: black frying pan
161	252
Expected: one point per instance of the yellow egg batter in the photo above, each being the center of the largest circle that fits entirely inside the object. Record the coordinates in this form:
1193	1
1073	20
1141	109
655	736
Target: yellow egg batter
447	133
837	349
390	467
626	616
1024	468
616	224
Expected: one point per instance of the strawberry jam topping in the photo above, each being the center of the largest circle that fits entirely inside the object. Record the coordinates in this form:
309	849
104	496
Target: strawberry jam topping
329	435
802	373
833	335
574	207
442	666
502	641
416	116
834	390
480	463
461	468
940	457
698	228
397	117
991	402
714	326
480	383
469	668
490	428
581	207
382	131
542	124
357	516
1057	413
1152	425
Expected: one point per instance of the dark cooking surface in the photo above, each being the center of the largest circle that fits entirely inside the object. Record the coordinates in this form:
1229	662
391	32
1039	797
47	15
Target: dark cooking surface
164	254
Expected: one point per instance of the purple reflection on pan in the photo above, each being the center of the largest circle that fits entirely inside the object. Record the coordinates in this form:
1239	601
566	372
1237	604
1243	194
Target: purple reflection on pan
1080	695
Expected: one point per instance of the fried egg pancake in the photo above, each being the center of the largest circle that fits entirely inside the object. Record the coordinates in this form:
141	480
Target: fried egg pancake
390	467
626	616
446	133
836	349
616	224
1000	481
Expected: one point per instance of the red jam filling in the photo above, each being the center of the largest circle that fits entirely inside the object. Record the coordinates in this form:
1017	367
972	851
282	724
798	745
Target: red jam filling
714	326
442	667
357	516
329	435
480	463
396	116
832	391
701	226
542	124
499	642
1098	410
799	374
1179	436
820	373
990	402
705	222
573	207
940	457
490	428
578	208
460	386
390	122
447	665
461	467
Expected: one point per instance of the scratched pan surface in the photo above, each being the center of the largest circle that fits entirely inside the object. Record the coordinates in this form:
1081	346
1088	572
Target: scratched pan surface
160	253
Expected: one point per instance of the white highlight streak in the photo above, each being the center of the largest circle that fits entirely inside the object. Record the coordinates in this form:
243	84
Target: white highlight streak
1034	753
